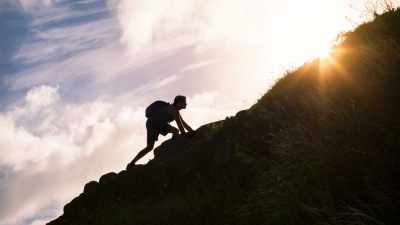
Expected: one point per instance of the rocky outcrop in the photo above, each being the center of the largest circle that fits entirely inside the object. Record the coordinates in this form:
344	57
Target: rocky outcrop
176	164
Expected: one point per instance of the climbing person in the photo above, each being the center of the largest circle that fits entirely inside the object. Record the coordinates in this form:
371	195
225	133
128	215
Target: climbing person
159	115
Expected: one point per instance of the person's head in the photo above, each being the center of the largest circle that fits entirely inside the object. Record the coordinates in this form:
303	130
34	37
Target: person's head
180	102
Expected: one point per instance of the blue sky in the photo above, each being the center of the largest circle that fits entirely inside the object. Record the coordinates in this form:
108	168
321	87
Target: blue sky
76	76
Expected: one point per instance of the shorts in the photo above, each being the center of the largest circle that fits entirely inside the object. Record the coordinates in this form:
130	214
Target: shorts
156	125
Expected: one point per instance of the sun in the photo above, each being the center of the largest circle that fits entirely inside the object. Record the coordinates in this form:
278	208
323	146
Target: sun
324	51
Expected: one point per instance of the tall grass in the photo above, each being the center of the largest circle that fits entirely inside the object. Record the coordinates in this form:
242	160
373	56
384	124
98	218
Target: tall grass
336	149
214	129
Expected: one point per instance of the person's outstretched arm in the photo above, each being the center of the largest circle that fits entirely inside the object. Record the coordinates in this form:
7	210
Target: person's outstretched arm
187	127
177	118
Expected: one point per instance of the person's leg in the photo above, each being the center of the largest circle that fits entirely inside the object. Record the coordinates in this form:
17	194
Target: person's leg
174	132
152	137
142	153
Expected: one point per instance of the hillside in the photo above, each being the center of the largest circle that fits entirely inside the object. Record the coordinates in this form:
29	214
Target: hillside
320	147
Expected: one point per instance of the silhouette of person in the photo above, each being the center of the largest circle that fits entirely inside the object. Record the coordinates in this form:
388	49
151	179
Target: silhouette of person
158	124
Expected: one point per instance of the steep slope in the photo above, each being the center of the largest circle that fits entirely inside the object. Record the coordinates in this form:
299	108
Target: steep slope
320	147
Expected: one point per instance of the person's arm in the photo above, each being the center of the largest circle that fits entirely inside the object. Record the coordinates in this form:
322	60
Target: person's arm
187	127
177	118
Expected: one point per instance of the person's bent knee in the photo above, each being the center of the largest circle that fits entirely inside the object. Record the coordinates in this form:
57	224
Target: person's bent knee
175	131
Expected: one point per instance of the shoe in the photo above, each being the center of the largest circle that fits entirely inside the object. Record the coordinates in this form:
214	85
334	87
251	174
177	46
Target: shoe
129	166
189	134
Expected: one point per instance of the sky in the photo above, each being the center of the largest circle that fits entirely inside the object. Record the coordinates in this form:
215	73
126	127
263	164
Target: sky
76	76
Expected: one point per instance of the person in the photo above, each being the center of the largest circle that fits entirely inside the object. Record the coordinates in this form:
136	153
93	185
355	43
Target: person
159	124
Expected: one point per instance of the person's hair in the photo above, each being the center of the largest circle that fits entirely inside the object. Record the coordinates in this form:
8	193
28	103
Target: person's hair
179	98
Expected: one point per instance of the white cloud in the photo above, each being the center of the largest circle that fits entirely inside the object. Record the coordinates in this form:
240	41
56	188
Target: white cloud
102	62
55	166
167	81
39	222
160	25
281	28
205	99
53	44
88	51
200	64
150	25
156	84
15	152
54	55
150	29
42	96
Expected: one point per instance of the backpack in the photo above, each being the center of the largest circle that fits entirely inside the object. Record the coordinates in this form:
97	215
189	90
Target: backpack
155	108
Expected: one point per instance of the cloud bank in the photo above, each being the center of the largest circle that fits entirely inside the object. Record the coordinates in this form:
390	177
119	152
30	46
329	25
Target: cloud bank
161	25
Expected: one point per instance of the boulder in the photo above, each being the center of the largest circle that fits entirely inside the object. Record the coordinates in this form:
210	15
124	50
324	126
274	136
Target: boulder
108	184
90	195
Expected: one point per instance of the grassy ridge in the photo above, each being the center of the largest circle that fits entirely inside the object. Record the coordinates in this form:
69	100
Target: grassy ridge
331	130
338	144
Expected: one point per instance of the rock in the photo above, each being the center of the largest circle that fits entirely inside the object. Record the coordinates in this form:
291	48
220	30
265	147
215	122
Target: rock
107	178
133	182
74	206
182	143
91	187
90	195
108	184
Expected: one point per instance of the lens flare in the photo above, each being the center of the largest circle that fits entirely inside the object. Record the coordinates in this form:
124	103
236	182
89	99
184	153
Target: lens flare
324	51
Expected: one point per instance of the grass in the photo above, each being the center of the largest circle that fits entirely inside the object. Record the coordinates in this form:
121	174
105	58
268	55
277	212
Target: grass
337	146
214	129
332	131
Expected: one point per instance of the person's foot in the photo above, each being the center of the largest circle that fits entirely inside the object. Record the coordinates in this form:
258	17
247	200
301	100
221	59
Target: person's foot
190	133
130	165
